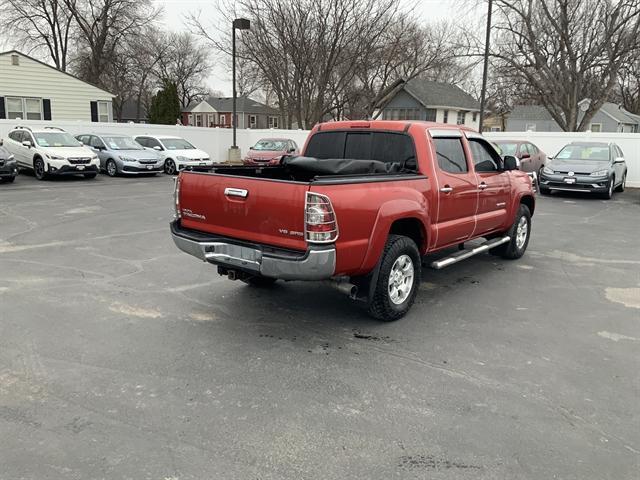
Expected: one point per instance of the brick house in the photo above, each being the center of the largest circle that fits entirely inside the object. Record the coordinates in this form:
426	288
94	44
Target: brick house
217	112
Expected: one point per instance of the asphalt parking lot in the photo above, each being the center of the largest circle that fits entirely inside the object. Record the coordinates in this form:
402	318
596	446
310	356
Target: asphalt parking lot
123	358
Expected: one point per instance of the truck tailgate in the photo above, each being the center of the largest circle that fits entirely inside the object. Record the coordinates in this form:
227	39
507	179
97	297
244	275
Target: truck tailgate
255	210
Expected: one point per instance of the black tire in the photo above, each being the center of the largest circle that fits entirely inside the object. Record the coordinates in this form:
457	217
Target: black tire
259	281
111	168
89	176
38	169
609	193
382	306
170	167
516	247
623	184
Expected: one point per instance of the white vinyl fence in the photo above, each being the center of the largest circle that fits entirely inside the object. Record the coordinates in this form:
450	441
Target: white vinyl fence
552	142
216	141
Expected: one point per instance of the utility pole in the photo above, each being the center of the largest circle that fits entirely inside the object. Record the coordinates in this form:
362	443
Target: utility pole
486	66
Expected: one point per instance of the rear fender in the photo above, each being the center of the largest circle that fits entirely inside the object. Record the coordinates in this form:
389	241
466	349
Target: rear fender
388	213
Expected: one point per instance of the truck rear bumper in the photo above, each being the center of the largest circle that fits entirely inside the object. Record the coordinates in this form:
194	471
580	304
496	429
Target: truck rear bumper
317	263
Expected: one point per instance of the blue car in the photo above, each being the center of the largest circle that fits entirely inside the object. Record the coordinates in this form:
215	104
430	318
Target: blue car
122	155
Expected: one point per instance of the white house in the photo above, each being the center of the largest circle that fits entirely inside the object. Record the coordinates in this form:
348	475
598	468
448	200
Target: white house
420	99
33	90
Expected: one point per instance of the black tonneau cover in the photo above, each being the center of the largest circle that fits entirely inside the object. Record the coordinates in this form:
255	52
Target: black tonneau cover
337	166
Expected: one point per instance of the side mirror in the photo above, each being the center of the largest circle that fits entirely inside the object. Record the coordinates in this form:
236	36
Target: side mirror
250	148
617	160
291	150
27	143
511	163
157	148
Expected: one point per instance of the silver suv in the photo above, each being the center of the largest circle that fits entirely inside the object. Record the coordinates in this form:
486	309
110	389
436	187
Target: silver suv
50	151
121	154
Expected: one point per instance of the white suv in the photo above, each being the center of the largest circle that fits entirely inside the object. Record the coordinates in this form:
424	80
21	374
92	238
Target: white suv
51	151
176	152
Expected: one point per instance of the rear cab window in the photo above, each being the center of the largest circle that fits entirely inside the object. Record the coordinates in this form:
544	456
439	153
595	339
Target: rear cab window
388	147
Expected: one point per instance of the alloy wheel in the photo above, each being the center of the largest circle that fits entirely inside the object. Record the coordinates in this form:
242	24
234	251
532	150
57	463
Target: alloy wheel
401	279
521	232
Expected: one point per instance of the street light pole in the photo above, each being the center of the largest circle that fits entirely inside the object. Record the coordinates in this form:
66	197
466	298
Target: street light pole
486	66
237	24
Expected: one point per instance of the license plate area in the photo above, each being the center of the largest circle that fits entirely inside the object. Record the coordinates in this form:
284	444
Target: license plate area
569	180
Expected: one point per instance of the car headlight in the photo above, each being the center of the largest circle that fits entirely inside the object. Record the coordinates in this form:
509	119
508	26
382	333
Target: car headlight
95	157
548	171
127	159
11	158
54	157
182	159
599	173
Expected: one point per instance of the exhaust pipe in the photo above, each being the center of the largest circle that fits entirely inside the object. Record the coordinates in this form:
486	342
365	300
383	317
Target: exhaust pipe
344	286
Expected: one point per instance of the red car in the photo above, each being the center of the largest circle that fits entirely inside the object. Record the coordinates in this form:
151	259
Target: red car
532	159
359	210
269	151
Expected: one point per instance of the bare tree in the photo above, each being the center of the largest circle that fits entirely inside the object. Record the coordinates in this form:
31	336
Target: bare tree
628	92
104	25
41	25
185	62
567	51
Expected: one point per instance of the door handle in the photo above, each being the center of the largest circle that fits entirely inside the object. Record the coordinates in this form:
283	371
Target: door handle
446	189
236	192
482	186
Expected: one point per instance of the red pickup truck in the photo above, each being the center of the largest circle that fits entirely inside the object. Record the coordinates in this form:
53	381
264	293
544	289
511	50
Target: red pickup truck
359	209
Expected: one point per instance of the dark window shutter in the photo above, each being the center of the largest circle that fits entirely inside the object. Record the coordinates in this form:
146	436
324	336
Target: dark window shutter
46	108
94	111
3	114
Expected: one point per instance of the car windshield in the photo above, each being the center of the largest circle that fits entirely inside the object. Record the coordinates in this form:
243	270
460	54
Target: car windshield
177	144
121	143
56	139
598	153
507	148
272	145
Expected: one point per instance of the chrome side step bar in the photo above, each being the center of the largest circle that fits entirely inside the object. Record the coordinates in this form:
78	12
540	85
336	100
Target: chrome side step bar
464	254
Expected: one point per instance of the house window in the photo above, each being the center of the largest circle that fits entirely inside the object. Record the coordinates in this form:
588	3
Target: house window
190	119
445	116
530	127
496	129
475	116
210	120
15	60
24	108
103	112
198	120
431	115
252	121
462	117
273	122
596	127
223	120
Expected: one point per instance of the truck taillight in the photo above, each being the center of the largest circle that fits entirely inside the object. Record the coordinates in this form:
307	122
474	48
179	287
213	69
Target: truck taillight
320	223
176	198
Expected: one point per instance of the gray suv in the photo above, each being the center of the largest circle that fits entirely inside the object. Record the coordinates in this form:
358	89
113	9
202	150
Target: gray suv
8	166
121	154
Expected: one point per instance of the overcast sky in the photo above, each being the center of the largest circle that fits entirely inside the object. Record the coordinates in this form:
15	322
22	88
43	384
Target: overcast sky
176	10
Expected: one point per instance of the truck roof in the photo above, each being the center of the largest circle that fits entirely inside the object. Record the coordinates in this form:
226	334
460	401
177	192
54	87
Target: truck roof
399	125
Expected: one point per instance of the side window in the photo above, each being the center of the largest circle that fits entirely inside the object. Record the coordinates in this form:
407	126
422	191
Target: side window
96	142
484	159
450	155
533	150
524	149
620	154
16	136
154	143
142	141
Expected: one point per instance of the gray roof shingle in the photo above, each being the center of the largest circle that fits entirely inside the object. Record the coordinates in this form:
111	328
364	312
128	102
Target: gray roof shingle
438	94
243	104
529	112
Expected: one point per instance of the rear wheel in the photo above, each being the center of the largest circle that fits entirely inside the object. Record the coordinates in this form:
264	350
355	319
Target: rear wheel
519	234
398	279
38	169
621	187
